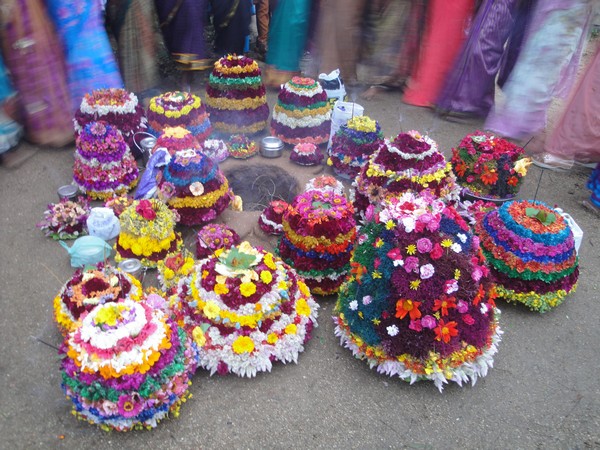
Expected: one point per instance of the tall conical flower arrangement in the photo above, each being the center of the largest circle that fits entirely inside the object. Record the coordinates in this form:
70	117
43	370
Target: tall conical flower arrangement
418	305
319	232
411	162
246	309
236	96
127	366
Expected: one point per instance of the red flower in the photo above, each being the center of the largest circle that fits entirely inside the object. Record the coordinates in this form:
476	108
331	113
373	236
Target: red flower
405	306
489	177
445	331
144	208
513	181
437	251
444	304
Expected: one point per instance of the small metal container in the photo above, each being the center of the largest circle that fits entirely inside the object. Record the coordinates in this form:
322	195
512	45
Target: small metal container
147	144
131	266
68	191
271	147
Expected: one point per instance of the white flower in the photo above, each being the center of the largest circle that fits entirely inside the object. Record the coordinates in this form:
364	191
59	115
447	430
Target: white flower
196	188
462	237
392	330
426	271
353	305
483	308
409	224
456	247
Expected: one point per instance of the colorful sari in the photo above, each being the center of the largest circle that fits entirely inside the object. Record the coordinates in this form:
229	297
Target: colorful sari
34	57
182	23
10	131
546	67
90	60
134	25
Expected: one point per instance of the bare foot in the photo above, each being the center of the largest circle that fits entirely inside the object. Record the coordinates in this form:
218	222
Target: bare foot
373	92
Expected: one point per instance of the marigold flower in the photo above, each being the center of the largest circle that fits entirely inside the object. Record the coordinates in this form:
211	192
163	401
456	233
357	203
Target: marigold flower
243	344
405	306
302	308
211	310
247	289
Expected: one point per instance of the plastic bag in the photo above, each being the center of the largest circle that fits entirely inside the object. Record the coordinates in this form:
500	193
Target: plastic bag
333	85
103	223
87	250
342	113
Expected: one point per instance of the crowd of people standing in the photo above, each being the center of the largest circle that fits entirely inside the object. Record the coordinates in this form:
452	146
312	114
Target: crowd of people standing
444	55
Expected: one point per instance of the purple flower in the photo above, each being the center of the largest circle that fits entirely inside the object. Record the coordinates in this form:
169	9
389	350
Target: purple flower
428	322
424	245
366	300
415	325
477	273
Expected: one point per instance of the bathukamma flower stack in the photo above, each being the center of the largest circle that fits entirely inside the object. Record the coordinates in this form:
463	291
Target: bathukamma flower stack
417	304
127	366
246	309
531	252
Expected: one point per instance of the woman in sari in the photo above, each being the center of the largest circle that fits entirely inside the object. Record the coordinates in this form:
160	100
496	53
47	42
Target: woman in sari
89	57
134	25
546	66
231	19
287	40
10	131
34	56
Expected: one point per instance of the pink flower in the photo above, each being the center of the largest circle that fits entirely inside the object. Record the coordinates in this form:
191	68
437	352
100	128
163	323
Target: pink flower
468	319
437	251
462	306
130	405
426	271
366	300
415	325
144	208
477	273
428	322
411	264
424	245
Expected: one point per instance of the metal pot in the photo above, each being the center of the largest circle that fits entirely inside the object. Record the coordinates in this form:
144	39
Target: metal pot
271	147
68	191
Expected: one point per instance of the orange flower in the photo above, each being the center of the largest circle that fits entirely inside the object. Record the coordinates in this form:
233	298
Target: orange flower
445	331
513	181
460	169
405	306
444	304
489	176
357	270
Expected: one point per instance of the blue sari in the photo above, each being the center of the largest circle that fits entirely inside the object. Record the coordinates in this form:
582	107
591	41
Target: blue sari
89	57
6	89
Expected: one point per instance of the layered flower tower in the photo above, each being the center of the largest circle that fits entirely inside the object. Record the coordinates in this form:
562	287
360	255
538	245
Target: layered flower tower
302	113
489	167
246	309
417	304
176	139
411	162
353	144
116	106
213	237
319	231
193	185
236	96
147	233
89	288
127	366
178	109
270	220
104	167
531	252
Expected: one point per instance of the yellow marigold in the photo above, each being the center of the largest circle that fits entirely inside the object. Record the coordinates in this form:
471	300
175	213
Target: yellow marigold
302	308
447	243
414	285
291	329
272	338
243	344
268	260
303	288
199	336
211	310
266	276
456	274
411	249
221	289
169	274
247	289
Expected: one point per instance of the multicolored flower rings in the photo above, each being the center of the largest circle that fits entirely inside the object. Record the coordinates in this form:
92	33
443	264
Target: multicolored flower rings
246	309
531	252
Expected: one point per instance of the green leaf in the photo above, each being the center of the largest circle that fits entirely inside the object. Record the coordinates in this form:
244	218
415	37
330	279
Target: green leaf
239	260
544	217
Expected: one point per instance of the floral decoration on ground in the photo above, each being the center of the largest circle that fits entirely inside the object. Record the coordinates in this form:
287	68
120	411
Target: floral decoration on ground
410	163
270	220
66	219
246	309
174	267
147	233
177	108
213	237
489	166
242	147
418	304
319	231
530	249
127	366
88	288
306	154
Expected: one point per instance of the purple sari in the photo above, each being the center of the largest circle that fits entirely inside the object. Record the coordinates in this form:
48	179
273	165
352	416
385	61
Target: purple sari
470	87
